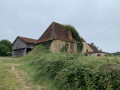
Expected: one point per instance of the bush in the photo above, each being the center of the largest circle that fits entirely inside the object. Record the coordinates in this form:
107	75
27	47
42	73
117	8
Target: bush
72	72
5	48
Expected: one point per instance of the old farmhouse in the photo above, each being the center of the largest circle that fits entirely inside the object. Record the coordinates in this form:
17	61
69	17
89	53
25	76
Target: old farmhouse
91	49
54	38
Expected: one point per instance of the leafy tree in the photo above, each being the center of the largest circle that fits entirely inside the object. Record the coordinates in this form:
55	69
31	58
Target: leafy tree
3	50
75	35
5	47
116	53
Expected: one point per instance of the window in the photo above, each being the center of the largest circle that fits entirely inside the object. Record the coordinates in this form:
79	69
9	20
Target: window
86	50
98	54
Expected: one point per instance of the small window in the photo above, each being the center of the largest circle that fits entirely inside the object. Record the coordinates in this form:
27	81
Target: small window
86	50
106	55
98	54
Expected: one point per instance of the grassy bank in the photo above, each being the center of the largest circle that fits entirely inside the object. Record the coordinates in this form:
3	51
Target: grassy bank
68	71
8	80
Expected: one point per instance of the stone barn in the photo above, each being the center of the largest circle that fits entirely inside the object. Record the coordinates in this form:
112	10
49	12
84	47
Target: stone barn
55	38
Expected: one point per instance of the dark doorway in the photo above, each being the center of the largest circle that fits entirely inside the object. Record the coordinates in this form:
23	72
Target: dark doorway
28	50
98	54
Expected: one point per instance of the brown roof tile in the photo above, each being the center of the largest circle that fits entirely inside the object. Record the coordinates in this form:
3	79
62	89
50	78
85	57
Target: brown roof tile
55	32
27	40
95	50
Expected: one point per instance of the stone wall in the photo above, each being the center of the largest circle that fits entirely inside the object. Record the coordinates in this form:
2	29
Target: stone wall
86	47
72	47
98	54
57	45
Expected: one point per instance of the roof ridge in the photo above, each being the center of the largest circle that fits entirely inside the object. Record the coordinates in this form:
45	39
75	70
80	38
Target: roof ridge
26	37
28	40
55	31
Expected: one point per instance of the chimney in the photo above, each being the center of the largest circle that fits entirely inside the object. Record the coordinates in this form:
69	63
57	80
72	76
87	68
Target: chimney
92	44
69	35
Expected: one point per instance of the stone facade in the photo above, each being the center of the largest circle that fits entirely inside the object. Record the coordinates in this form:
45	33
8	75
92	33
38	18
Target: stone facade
54	38
72	47
57	45
91	50
86	47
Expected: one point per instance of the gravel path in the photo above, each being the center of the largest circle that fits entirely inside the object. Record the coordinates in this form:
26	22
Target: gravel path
3	58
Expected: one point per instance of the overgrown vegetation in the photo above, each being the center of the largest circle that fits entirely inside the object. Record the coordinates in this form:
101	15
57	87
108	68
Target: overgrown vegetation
75	35
72	72
5	48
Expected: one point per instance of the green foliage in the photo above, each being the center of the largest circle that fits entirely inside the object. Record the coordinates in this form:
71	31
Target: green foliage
75	35
47	44
116	54
5	48
64	48
73	72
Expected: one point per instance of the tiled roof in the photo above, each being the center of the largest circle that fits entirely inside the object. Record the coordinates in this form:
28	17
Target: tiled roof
55	32
27	40
95	50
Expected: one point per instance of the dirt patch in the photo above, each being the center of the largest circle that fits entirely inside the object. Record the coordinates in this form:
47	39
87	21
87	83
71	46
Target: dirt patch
21	80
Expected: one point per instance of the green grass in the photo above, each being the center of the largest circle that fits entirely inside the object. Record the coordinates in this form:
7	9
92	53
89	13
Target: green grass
28	73
8	80
44	70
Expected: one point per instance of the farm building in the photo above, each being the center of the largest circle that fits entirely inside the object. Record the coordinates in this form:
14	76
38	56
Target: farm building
55	38
21	46
91	49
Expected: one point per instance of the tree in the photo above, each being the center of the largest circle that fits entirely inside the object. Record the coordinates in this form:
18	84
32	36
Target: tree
5	48
116	53
75	35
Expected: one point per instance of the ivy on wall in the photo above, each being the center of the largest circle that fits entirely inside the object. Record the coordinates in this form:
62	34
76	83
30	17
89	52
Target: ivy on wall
75	35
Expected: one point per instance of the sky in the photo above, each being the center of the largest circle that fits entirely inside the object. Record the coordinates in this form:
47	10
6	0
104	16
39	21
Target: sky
97	21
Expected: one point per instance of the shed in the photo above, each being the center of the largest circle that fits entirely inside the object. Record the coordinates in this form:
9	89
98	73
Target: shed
21	46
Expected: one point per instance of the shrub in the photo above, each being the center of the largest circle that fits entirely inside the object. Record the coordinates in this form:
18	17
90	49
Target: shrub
5	48
72	72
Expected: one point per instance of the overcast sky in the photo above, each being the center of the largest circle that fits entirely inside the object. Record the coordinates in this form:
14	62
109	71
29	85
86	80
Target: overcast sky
97	21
